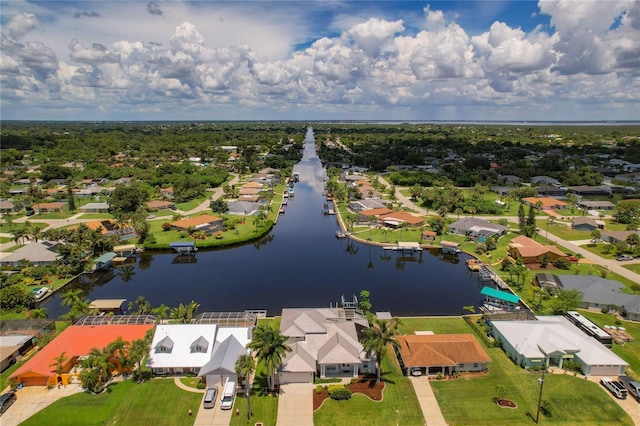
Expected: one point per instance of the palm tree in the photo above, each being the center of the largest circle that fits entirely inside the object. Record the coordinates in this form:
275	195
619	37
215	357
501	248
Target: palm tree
270	346
59	362
378	337
77	303
39	313
245	365
96	370
118	352
138	350
185	313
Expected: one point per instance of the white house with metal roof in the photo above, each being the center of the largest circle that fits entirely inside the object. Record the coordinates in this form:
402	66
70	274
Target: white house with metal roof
208	350
323	341
550	341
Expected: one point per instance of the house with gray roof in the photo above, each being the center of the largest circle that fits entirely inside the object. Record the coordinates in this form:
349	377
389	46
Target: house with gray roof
552	340
596	205
243	208
598	293
586	223
614	237
366	204
39	253
324	342
476	226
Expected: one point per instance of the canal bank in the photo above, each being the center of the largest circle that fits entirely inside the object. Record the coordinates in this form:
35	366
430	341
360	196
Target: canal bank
299	263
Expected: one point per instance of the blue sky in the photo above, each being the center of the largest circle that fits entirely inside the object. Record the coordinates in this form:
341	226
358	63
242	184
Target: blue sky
320	60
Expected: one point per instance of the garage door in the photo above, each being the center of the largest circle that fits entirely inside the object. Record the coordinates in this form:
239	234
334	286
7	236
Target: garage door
605	371
288	377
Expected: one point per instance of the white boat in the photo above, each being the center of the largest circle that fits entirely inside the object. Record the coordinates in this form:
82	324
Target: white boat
39	293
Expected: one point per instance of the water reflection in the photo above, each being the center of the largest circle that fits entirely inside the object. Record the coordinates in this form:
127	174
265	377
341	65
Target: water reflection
300	263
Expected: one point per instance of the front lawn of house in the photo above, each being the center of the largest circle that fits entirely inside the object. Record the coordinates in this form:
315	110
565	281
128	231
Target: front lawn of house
156	402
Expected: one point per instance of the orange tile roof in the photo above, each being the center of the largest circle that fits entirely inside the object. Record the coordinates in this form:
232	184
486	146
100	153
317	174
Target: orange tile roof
441	350
196	221
531	248
546	201
376	212
402	216
77	341
55	205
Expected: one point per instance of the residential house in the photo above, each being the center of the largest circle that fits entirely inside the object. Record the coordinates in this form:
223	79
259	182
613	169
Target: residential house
208	350
585	223
584	190
75	342
39	253
19	336
400	218
112	227
323	342
544	203
476	227
367	216
545	180
95	208
7	206
243	208
551	191
167	193
366	204
442	353
599	293
429	236
90	191
551	340
596	205
614	237
531	251
55	207
161	205
205	223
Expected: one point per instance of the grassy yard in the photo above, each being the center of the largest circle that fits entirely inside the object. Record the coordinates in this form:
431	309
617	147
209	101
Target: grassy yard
191	204
469	400
95	216
156	402
563	231
399	404
630	351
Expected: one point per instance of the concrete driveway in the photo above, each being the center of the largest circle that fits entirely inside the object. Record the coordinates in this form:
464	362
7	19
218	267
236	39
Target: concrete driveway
32	399
295	405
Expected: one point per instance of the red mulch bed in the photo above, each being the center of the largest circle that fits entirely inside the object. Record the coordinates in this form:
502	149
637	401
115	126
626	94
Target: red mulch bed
506	403
366	386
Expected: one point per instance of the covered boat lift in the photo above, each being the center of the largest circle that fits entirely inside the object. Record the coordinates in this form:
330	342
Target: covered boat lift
184	247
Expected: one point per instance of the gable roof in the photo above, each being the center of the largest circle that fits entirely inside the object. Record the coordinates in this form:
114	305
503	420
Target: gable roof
338	350
376	212
223	359
467	223
401	216
440	350
299	360
76	341
546	201
42	251
179	339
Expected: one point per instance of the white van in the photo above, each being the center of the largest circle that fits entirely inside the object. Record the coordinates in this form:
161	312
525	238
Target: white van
228	395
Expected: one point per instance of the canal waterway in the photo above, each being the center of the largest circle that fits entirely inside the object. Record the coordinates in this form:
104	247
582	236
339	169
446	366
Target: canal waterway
300	263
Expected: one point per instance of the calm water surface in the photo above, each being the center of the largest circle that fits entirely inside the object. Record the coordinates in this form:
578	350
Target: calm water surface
299	264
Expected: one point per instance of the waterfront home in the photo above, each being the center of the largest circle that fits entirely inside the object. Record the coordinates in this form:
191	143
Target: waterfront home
357	206
474	226
586	223
370	215
551	340
400	218
601	293
244	208
75	342
442	353
531	251
39	253
19	336
110	227
208	350
205	223
544	203
323	342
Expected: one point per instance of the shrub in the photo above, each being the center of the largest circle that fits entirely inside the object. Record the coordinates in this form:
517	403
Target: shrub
562	263
319	389
339	392
201	386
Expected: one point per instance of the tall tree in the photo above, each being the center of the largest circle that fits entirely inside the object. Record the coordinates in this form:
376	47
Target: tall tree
71	200
522	220
185	313
378	337
270	347
245	365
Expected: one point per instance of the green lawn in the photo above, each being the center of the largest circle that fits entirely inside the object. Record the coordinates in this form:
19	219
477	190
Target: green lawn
156	402
191	204
96	216
563	231
469	401
399	404
630	351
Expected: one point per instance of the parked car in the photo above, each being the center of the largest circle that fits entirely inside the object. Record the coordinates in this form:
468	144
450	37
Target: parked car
632	386
210	396
616	388
624	257
6	400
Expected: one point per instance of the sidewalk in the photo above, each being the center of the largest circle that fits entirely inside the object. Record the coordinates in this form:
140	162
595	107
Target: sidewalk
428	403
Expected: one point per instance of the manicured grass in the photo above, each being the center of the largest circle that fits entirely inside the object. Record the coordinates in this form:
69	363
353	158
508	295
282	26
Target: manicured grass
5	240
192	204
563	231
192	382
442	325
264	409
470	401
156	402
96	216
399	404
630	351
635	268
